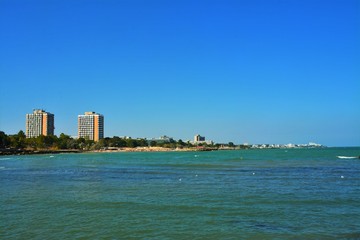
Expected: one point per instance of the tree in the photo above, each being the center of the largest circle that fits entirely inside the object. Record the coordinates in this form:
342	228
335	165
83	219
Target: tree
18	140
181	143
142	143
102	143
63	141
4	140
71	144
99	145
117	142
50	141
107	142
80	143
88	144
231	144
131	143
21	134
40	142
31	143
45	142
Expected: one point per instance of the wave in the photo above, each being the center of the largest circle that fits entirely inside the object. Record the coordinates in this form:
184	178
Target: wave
346	157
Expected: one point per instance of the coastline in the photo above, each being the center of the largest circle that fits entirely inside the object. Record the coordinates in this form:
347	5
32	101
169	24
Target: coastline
5	152
153	149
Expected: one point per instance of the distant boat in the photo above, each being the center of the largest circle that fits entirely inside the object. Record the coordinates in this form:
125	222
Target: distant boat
346	157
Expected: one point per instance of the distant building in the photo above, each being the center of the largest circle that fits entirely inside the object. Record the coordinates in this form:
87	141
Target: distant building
39	123
162	139
91	126
201	139
165	138
198	138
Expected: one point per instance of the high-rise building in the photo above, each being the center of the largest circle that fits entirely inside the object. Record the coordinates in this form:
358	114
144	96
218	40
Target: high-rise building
91	126
39	123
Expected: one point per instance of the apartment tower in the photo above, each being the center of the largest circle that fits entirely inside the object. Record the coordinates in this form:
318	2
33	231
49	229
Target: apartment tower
39	123
91	126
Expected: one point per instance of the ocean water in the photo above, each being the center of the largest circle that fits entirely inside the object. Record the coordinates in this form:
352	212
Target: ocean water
244	194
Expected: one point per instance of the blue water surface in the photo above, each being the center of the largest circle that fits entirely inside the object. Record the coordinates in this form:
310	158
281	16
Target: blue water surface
256	194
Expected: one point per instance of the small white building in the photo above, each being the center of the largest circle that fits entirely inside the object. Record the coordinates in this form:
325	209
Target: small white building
198	139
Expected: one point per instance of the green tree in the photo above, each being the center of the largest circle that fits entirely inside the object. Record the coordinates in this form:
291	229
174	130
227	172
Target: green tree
4	140
40	142
21	134
153	144
71	144
98	145
181	143
88	144
63	140
50	141
117	142
142	143
80	143
18	140
102	143
131	143
46	142
107	142
31	143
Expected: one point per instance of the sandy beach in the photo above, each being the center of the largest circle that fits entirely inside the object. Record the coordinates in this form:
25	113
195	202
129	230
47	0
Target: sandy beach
147	149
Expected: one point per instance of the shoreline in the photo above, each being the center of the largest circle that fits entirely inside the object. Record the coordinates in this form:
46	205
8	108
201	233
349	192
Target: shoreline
6	152
153	149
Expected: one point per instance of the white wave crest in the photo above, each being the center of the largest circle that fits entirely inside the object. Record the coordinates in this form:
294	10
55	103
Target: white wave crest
346	157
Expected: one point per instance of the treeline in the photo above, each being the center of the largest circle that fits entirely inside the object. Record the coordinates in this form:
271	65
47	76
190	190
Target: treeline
19	141
65	142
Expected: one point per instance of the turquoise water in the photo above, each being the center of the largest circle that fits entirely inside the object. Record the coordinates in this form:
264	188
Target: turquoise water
256	194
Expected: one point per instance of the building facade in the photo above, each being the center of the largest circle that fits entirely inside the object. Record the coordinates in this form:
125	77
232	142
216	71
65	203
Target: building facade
198	138
39	123
91	126
201	140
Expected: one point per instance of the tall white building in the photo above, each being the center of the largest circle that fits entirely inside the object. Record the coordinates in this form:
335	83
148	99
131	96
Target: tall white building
39	123
91	126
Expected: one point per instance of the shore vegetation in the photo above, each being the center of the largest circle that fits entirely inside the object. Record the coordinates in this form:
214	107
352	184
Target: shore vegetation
19	144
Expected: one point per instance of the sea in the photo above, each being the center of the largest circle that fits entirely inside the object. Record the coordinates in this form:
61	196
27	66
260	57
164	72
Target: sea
240	194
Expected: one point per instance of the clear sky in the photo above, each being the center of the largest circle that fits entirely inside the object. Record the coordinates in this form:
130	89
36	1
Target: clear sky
271	71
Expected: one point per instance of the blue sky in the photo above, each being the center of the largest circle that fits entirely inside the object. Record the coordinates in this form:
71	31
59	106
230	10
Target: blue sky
244	71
